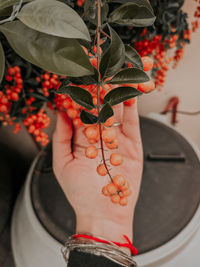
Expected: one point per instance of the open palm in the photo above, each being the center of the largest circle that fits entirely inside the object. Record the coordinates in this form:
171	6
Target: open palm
77	174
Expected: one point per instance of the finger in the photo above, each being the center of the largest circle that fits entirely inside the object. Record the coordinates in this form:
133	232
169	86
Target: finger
118	113
130	124
62	141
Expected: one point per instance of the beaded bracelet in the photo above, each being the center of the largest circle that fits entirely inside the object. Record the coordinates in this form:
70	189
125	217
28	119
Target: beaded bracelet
98	246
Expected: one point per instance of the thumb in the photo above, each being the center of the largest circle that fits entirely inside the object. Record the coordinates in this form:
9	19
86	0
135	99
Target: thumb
62	142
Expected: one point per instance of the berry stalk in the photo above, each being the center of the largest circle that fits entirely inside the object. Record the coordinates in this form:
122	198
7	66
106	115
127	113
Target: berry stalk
99	82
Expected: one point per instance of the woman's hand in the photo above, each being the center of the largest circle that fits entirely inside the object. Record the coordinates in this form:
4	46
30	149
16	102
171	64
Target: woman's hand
82	185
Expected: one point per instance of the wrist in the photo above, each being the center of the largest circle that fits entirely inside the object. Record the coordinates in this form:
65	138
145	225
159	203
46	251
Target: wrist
105	228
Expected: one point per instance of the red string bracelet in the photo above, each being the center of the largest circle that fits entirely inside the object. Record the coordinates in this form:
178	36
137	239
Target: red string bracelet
126	245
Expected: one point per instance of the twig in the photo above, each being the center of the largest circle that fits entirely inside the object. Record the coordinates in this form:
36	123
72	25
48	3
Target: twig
98	32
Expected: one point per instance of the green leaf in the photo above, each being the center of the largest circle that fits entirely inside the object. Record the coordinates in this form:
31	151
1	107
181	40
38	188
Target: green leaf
120	94
129	75
54	18
105	113
86	80
132	15
2	62
114	56
55	54
133	57
79	95
144	3
7	3
88	118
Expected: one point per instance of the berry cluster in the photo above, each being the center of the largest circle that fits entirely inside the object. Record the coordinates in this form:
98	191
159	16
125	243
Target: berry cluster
12	89
49	81
35	124
118	190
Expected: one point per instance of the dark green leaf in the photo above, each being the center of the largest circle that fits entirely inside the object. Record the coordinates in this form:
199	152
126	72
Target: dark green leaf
144	3
114	56
79	95
54	18
5	12
7	3
105	113
55	54
133	57
88	118
133	15
86	80
120	94
129	75
2	62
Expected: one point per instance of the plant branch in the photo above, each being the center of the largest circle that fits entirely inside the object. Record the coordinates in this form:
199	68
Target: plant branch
98	33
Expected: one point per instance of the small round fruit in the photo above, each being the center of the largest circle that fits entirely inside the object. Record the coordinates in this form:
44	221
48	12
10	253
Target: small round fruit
115	198
91	152
146	87
72	113
105	191
110	121
111	188
126	192
129	102
108	135
147	63
116	159
101	170
113	144
125	186
118	180
91	132
123	201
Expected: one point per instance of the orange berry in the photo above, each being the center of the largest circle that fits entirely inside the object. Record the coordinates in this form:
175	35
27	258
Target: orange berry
118	180
91	152
105	191
123	201
115	198
116	159
126	192
77	122
91	132
110	121
125	186
113	144
101	170
146	87
111	188
108	135
129	102
72	113
147	63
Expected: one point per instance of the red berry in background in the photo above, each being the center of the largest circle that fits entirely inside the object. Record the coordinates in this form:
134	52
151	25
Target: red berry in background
146	87
72	113
147	63
129	102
